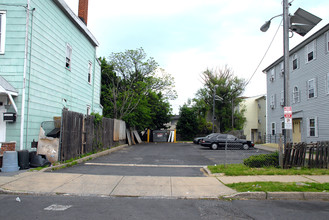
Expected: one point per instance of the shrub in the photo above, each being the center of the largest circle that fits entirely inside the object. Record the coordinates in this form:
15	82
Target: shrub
262	160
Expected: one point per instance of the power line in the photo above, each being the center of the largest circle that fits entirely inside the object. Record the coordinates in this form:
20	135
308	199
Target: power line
264	55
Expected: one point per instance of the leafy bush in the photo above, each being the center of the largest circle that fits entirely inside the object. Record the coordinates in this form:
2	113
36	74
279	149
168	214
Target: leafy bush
262	160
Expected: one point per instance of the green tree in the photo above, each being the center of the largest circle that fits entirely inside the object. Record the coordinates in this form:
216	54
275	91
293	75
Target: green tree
187	125
130	83
229	88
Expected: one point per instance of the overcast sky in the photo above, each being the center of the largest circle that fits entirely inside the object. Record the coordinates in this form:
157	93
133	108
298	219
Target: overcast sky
188	36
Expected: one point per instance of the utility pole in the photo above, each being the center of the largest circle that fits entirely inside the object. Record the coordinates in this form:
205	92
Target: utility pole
286	26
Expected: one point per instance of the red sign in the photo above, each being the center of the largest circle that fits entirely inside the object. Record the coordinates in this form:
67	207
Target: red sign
287	112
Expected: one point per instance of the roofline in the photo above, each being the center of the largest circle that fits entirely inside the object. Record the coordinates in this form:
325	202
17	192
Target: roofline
299	46
76	21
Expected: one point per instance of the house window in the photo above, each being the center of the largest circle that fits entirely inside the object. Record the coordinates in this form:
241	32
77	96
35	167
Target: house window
310	51
273	128
327	41
272	75
327	83
312	127
294	62
2	31
282	98
311	88
281	69
295	95
89	72
88	109
272	102
68	56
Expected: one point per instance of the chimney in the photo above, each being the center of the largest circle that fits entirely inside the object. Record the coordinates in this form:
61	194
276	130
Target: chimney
83	10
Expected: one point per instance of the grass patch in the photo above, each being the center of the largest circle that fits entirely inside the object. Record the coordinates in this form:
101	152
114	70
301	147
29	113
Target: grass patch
242	170
279	187
37	168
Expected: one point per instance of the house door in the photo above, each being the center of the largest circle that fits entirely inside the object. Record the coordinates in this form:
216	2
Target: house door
296	131
2	124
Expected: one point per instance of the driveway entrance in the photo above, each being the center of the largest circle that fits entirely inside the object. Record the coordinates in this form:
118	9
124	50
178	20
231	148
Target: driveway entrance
162	159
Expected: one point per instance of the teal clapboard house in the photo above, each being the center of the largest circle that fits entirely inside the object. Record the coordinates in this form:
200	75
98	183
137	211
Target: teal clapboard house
47	62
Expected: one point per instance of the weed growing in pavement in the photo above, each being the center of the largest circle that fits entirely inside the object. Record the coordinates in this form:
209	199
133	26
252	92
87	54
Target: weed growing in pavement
242	170
279	187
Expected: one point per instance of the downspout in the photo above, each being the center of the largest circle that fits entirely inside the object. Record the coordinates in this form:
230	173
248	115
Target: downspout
24	75
29	84
93	87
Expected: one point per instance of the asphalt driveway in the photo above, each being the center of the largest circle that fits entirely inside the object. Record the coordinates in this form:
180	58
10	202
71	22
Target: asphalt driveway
161	159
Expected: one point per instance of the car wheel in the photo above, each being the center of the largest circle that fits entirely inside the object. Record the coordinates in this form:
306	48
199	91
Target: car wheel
214	146
245	147
198	142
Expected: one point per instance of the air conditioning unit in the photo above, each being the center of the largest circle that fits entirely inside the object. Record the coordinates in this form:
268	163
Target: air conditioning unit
282	72
272	106
272	78
9	116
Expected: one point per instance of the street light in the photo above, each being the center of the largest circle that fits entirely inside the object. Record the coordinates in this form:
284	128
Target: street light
301	22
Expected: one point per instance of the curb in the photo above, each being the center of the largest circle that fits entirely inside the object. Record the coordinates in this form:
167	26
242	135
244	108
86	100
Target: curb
279	196
84	159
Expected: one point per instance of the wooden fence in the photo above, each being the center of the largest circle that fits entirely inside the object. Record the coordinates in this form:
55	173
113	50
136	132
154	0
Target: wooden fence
314	155
80	134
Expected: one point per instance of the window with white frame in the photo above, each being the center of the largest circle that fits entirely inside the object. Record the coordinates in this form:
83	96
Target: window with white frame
327	41
327	83
68	56
272	101
311	51
282	98
311	88
89	72
281	69
295	95
295	61
273	128
272	75
312	127
2	31
88	109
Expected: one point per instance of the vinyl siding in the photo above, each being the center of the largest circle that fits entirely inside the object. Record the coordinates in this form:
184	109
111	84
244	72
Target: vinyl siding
307	107
48	81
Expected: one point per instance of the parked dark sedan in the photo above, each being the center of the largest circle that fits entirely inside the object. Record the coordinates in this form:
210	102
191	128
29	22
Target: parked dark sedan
198	140
220	140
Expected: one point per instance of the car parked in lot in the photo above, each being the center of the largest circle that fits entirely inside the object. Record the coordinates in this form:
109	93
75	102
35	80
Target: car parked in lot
198	140
219	141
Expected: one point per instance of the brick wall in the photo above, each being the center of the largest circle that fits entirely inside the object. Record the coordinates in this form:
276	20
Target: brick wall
7	146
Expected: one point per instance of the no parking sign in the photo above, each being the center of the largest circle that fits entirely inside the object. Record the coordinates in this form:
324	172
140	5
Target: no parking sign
288	117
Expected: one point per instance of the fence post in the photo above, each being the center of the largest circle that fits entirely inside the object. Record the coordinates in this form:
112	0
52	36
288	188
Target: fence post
280	152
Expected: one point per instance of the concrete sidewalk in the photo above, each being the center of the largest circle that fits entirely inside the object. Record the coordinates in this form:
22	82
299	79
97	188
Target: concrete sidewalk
47	183
107	185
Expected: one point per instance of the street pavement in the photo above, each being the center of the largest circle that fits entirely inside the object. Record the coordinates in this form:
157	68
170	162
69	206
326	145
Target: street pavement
208	186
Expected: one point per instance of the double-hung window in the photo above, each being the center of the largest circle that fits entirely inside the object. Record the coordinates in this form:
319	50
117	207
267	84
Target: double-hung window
294	62
295	95
327	42
327	83
311	51
311	88
312	127
68	56
89	72
2	31
273	128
